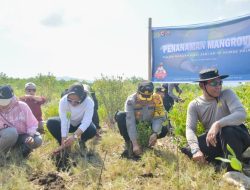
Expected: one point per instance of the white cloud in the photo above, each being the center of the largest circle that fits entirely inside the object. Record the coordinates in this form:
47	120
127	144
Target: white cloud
53	20
83	38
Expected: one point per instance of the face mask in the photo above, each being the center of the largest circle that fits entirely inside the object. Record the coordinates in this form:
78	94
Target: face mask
145	98
5	102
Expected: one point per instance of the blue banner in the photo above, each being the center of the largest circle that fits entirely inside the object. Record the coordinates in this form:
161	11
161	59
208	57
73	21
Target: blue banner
180	53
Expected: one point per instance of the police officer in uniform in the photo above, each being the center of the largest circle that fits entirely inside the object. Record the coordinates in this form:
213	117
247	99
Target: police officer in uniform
143	105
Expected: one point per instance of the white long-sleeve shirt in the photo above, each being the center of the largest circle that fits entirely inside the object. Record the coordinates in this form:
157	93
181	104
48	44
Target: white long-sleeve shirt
80	114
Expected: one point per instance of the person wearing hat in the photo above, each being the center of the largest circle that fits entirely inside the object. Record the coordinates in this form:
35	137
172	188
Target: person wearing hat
222	115
75	116
17	123
34	102
141	106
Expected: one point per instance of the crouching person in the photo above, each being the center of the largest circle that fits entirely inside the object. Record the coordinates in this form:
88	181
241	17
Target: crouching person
17	124
140	107
75	116
222	115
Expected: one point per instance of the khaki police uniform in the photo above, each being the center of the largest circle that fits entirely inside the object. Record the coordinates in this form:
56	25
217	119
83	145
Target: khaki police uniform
142	110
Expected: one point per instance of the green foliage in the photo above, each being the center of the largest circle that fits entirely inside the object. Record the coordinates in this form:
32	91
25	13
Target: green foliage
223	159
234	162
178	114
143	133
50	110
160	168
102	112
47	84
243	92
68	115
231	150
134	80
111	93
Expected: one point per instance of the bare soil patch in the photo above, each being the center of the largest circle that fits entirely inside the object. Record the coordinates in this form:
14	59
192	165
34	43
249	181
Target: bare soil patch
49	181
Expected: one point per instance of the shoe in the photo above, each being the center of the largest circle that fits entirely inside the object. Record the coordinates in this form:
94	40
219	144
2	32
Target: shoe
25	150
129	147
170	128
220	166
98	134
125	154
128	152
246	169
83	148
187	150
246	153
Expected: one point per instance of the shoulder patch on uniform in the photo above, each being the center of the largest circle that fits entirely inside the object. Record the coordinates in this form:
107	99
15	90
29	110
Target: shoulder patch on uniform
129	102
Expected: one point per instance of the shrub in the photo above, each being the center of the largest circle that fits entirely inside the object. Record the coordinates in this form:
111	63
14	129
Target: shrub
111	93
143	132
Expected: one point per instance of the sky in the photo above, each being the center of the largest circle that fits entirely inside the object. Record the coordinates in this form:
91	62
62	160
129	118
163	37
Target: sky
84	39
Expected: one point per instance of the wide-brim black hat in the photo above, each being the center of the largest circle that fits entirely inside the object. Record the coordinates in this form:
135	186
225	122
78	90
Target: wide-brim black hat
210	74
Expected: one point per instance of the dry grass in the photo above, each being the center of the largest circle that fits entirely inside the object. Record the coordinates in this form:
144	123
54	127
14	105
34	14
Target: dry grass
163	167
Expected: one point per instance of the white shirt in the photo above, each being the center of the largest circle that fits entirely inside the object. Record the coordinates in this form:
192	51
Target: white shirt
80	114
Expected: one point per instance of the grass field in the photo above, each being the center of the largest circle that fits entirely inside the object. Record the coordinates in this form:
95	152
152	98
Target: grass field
102	167
163	167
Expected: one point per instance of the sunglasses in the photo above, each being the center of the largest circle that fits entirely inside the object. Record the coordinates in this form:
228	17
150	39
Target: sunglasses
215	83
30	90
146	90
74	101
